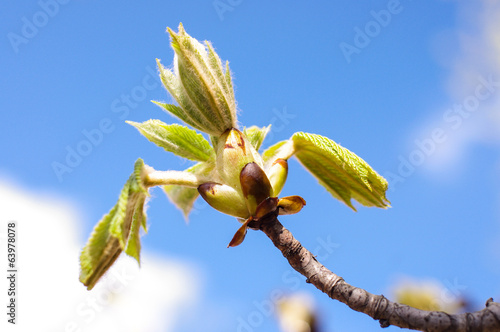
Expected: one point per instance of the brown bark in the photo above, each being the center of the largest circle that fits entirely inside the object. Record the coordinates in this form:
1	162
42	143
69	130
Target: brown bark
376	306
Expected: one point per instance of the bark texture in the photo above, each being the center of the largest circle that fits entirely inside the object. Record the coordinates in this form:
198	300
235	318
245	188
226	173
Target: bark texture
376	306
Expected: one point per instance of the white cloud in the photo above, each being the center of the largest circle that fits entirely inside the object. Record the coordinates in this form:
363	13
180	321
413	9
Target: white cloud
473	59
50	297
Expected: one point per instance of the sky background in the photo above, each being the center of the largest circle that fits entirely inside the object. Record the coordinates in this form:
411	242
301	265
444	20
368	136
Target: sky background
411	87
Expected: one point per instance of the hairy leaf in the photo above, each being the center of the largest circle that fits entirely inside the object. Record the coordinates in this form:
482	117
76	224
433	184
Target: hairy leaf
177	139
199	84
256	135
177	112
117	231
281	150
341	172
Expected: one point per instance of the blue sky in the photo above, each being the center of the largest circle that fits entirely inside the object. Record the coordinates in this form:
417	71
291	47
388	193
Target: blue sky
410	87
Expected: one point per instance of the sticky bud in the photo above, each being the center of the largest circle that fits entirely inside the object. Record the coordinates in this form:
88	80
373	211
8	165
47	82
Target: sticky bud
255	185
290	205
224	199
234	151
277	174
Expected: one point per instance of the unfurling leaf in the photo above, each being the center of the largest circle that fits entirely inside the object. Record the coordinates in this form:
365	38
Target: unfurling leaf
200	84
341	172
177	139
281	150
256	135
277	175
117	231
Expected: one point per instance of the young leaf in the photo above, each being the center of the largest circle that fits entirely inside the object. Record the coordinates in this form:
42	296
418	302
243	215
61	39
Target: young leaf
133	246
183	197
281	150
177	112
112	234
341	172
100	252
229	80
177	139
277	175
256	135
200	85
187	110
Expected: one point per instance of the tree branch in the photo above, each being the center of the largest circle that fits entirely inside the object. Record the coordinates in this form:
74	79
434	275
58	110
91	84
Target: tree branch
376	306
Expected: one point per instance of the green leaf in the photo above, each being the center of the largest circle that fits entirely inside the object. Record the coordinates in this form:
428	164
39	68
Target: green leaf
188	110
229	80
341	172
100	252
184	197
256	135
117	227
177	112
177	139
116	231
215	65
133	246
199	84
281	150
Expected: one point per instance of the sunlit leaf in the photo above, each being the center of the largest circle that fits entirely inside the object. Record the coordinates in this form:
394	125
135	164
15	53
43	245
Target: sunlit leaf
177	112
341	172
177	139
199	84
256	135
117	231
281	150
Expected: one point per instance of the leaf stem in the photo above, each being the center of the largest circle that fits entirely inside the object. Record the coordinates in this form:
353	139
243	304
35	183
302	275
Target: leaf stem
160	178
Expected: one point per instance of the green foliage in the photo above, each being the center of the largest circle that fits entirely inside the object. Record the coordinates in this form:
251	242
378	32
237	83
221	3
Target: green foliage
117	231
341	172
177	139
273	152
200	85
256	135
229	174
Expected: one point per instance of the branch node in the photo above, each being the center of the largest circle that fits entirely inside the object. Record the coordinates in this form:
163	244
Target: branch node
384	323
489	301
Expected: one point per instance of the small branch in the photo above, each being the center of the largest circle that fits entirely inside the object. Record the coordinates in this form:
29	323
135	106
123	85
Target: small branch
376	306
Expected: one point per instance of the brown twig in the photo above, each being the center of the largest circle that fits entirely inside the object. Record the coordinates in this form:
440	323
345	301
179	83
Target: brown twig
376	306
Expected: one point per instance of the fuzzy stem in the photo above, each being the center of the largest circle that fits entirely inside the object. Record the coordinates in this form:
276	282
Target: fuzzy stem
376	306
159	178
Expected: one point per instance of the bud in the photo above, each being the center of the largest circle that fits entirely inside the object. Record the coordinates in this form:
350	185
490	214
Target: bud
233	152
290	205
224	199
277	174
254	185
